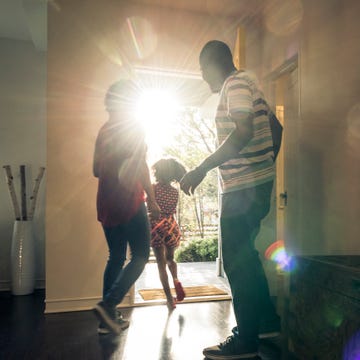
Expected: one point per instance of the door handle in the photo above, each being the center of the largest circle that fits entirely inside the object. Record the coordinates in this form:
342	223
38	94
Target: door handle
283	199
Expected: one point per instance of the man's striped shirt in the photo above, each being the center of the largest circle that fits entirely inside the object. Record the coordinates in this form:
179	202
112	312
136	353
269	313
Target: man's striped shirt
254	164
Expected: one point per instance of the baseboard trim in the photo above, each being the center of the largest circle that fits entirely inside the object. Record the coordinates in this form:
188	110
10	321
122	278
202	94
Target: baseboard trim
67	305
76	304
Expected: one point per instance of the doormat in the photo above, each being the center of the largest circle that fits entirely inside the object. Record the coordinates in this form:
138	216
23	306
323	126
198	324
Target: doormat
191	291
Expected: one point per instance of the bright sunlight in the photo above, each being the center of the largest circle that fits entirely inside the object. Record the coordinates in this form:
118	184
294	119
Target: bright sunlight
157	110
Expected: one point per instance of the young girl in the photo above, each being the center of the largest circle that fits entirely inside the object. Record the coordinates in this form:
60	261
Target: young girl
165	232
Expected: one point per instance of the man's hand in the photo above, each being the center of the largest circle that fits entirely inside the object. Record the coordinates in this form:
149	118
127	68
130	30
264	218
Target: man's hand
191	180
154	209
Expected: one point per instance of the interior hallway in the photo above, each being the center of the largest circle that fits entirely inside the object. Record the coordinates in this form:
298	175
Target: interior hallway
26	333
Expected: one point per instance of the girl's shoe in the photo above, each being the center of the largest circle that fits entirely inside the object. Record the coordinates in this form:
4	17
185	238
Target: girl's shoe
180	293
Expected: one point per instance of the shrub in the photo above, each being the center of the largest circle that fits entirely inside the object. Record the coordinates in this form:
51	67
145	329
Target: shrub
197	250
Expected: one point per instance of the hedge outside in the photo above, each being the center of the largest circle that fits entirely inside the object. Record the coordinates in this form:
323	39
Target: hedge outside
198	250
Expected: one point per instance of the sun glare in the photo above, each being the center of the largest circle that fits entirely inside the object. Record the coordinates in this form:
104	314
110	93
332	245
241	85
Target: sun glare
157	110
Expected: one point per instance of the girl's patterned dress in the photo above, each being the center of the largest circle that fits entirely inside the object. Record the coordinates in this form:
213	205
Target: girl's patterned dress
165	230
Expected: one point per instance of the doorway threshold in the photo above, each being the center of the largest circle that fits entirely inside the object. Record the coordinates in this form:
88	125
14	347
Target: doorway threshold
190	274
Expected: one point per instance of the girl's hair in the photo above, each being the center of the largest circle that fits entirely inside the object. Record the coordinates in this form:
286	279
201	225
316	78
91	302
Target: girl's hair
168	170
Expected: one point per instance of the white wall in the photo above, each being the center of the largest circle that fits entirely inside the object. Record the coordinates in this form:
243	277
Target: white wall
328	137
22	140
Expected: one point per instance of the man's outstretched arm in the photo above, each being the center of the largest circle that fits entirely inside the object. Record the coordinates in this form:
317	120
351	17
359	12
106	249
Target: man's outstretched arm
229	149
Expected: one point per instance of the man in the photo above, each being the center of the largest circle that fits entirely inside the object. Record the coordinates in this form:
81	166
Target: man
245	158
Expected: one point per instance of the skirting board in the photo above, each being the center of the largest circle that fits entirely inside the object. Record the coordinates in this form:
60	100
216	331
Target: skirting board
85	304
76	304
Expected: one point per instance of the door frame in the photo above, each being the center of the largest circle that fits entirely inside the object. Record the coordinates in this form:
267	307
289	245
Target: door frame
275	82
278	74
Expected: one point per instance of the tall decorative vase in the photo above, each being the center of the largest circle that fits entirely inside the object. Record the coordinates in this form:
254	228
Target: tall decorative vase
23	258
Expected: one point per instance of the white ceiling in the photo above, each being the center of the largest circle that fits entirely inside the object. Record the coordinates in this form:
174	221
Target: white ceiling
241	9
27	19
24	20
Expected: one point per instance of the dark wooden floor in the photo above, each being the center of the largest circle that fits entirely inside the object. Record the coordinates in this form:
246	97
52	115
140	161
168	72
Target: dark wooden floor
26	333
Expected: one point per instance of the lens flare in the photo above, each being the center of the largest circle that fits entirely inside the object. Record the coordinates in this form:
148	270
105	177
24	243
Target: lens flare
333	316
157	109
277	253
352	348
134	38
138	38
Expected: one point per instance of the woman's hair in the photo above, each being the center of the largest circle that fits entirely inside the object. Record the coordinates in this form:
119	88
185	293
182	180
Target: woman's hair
120	94
168	170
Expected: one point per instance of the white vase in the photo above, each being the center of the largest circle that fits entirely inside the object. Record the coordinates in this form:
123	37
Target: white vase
22	258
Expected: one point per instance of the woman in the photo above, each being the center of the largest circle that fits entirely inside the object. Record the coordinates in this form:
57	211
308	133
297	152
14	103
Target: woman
120	166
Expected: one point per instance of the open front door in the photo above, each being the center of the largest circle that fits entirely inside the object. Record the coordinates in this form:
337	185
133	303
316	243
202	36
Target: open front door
283	94
285	98
287	168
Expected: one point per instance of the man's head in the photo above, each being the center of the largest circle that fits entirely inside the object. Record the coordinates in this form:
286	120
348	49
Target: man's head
216	63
